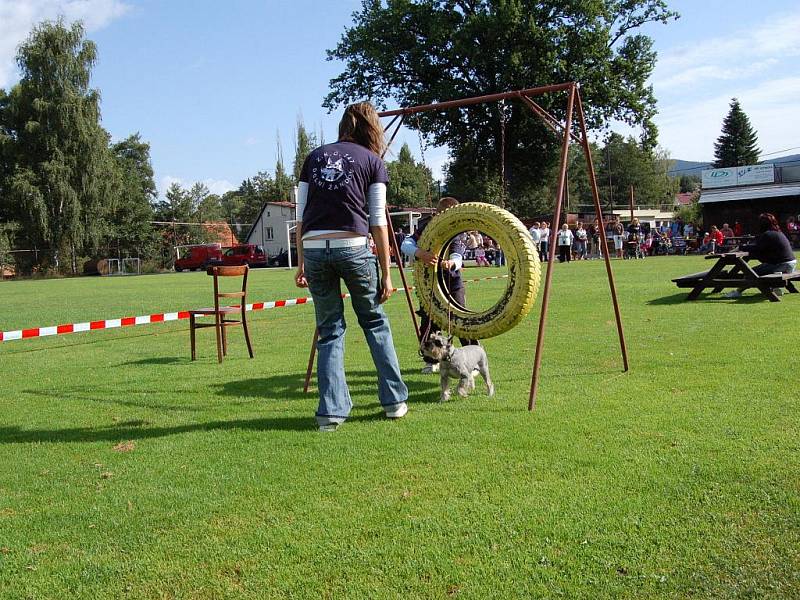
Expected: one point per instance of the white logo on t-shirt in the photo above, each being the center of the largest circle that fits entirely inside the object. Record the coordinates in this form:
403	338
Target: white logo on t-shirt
333	170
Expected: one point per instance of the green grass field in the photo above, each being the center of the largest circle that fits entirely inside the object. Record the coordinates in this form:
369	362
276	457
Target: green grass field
678	479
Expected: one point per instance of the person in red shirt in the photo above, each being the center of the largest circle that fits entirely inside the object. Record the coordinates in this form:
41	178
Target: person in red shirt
738	230
716	236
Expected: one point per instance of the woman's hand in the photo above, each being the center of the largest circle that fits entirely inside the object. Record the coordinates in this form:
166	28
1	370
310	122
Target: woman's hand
300	278
387	289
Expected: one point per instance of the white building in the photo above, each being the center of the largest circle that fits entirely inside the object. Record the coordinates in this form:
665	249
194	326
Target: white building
270	228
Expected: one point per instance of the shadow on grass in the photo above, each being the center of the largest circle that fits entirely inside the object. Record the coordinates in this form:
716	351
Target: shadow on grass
680	298
127	431
290	387
283	386
157	360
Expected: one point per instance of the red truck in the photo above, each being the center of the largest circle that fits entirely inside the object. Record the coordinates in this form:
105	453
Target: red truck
200	257
245	254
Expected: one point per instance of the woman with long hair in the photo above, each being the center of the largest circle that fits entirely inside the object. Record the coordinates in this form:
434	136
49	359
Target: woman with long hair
341	200
772	249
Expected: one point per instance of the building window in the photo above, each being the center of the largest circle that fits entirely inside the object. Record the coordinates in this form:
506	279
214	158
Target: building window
269	234
267	213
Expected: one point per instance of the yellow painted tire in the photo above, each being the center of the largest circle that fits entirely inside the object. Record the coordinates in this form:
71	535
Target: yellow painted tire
524	270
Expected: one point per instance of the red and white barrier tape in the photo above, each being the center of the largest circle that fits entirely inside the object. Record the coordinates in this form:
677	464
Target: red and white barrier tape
37	332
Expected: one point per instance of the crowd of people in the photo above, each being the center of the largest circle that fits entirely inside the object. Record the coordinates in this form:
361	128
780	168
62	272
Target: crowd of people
638	240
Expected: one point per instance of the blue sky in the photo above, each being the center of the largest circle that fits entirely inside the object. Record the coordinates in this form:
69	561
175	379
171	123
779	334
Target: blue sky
210	84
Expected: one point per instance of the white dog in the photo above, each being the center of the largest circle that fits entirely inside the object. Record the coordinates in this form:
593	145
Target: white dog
457	362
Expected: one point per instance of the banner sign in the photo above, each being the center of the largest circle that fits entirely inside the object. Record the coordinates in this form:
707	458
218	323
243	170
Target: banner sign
733	176
755	174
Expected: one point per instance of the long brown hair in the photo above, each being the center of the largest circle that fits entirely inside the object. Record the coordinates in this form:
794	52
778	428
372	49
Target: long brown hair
360	124
767	222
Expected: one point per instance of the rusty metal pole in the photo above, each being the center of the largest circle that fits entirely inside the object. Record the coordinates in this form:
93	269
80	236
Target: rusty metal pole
596	196
311	360
396	247
562	177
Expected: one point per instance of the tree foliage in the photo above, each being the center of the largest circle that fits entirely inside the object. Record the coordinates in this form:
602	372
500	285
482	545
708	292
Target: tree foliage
410	182
134	194
59	181
627	163
737	145
689	183
424	51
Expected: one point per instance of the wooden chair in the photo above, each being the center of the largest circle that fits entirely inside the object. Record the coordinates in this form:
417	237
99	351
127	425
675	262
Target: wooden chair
219	312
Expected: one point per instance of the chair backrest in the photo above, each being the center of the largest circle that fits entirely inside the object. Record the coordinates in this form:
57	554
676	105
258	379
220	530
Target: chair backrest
238	271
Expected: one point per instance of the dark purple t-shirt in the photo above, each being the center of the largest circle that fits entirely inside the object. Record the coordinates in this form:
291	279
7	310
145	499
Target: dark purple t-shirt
338	177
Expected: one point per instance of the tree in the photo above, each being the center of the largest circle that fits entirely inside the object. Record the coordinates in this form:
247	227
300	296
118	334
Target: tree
59	182
134	194
283	185
424	51
410	183
304	144
689	183
737	144
630	164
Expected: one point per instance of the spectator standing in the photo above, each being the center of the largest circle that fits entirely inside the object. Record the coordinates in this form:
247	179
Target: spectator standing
581	239
738	230
536	236
676	229
617	235
544	240
480	257
565	238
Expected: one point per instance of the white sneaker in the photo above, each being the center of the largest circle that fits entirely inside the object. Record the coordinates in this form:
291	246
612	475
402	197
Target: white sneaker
329	427
397	411
430	368
734	294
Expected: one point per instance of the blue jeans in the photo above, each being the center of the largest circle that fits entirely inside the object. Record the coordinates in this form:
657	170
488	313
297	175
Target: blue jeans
325	269
768	268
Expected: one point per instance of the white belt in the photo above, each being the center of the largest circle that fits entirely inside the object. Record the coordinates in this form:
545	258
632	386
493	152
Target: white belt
347	242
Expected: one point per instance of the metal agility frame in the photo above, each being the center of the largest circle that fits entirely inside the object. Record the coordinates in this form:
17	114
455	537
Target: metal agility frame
574	105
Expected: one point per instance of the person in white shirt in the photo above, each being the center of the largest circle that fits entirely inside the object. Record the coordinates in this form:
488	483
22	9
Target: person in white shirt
536	236
544	241
565	238
581	239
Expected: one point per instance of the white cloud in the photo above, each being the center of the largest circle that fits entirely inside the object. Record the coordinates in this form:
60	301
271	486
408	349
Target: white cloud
215	186
17	17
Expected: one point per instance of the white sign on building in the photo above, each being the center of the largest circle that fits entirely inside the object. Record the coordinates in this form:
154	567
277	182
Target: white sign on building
755	174
713	178
733	176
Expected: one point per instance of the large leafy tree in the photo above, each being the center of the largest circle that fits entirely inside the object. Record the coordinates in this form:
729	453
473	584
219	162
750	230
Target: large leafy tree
59	184
737	145
423	51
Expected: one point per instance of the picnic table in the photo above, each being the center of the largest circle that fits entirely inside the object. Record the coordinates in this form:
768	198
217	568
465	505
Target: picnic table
732	271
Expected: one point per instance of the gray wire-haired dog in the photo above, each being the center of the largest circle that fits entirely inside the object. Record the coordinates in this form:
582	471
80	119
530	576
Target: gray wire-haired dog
457	362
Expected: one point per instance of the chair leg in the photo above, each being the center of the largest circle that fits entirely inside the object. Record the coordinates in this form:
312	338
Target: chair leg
218	330
192	336
224	338
247	335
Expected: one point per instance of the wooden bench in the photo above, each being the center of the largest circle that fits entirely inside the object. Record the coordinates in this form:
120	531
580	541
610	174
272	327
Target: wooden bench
740	276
